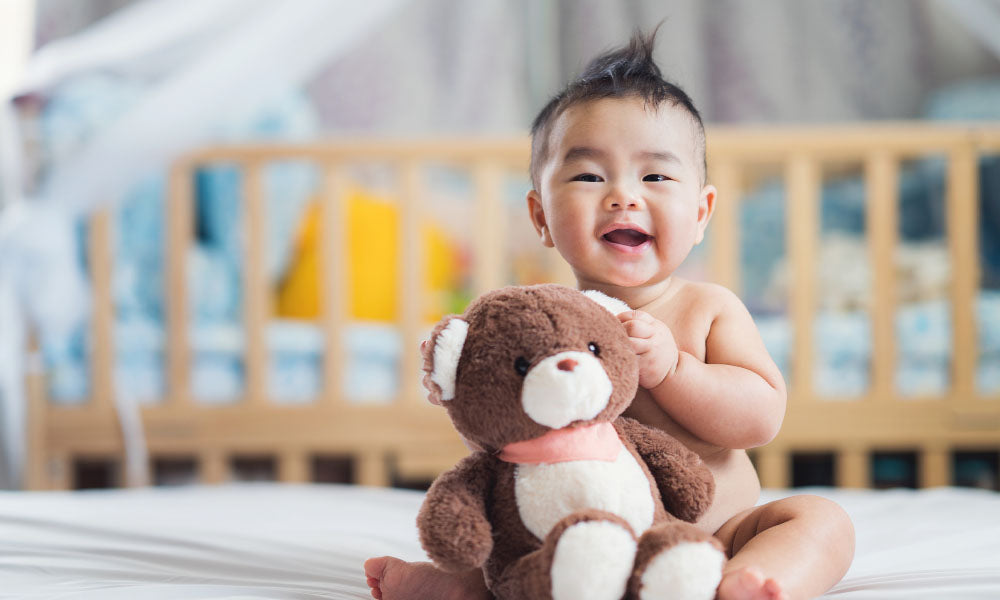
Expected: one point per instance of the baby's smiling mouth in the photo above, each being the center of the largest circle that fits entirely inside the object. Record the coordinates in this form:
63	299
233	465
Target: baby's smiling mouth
626	237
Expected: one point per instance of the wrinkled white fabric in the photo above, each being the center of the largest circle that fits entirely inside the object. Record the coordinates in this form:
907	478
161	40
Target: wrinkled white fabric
299	542
249	541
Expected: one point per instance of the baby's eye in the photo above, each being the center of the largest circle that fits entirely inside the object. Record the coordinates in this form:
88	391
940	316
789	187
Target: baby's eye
655	177
588	178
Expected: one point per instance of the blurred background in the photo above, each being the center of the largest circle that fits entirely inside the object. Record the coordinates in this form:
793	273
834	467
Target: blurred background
101	96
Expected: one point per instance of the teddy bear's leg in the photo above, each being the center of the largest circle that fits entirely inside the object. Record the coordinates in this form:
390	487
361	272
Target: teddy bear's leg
677	560
588	555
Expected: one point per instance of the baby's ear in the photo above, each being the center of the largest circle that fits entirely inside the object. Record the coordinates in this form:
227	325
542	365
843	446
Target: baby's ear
441	353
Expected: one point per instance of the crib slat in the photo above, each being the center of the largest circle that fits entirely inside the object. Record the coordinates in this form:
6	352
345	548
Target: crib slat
102	359
802	179
853	467
773	466
213	467
372	469
882	186
59	471
935	466
489	227
178	240
256	292
333	275
36	476
963	240
725	230
293	467
411	292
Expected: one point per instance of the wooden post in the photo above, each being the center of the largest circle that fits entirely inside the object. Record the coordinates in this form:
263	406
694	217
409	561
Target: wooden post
853	467
963	240
802	179
773	466
213	466
37	476
882	186
489	228
102	357
179	208
935	467
256	292
333	275
411	291
725	229
293	466
59	471
373	468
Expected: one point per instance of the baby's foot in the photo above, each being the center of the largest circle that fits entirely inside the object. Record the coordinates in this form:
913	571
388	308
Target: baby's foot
749	584
394	579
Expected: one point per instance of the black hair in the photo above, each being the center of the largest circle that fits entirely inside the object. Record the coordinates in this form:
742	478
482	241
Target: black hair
629	71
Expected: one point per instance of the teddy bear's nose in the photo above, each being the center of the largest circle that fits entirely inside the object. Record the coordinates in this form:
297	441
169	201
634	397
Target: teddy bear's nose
566	364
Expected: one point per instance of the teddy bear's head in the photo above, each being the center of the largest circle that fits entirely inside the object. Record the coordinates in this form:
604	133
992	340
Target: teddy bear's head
525	360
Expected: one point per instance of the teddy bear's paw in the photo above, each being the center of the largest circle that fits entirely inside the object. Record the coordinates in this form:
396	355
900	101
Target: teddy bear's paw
686	571
592	561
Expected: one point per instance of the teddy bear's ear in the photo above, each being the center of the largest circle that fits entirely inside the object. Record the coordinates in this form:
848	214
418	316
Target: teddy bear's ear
441	354
614	305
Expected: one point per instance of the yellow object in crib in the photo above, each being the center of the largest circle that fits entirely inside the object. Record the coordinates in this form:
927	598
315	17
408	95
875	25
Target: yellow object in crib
372	247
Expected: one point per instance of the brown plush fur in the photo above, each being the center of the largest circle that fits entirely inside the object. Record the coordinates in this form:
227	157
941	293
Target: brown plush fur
470	517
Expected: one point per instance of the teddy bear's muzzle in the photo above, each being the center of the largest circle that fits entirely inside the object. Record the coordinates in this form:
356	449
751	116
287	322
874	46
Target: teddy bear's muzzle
565	387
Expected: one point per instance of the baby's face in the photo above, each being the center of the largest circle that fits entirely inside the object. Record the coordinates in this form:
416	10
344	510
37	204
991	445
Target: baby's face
620	193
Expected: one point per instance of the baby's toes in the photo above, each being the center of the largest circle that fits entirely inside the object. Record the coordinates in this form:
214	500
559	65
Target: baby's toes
746	584
773	590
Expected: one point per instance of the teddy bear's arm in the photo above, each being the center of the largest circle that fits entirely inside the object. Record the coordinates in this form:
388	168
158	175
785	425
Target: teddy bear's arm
454	526
685	483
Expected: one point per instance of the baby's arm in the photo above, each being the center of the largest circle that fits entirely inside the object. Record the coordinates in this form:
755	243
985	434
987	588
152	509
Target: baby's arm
735	398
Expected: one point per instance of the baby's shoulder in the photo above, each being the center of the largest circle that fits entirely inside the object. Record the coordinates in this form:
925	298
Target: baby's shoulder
709	298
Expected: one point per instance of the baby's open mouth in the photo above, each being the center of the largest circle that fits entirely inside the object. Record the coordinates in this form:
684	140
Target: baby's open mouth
626	237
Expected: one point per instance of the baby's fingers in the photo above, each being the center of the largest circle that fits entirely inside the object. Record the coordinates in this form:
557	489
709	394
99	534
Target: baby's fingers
635	328
640	345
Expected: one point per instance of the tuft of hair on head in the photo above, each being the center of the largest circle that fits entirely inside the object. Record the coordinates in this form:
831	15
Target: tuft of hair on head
629	71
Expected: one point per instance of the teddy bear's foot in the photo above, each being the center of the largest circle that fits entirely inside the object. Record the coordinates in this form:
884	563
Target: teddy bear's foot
593	558
677	561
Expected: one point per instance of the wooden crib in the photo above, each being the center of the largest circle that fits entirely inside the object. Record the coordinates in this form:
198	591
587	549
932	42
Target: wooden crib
407	439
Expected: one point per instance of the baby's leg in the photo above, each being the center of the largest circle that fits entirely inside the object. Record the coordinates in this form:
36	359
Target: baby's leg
393	579
793	548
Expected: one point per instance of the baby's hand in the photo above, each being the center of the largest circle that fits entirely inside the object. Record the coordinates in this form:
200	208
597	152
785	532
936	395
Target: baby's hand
653	343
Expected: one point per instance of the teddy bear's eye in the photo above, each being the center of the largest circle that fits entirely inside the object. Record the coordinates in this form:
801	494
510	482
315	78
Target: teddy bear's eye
593	348
521	365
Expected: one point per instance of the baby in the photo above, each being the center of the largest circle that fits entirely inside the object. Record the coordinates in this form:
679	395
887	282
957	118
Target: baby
618	170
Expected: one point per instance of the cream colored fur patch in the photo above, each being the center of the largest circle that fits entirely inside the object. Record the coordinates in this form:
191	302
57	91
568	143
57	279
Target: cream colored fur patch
546	493
690	570
613	305
593	561
447	352
556	397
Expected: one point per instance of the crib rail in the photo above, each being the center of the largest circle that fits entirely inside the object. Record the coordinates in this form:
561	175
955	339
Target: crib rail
881	420
410	438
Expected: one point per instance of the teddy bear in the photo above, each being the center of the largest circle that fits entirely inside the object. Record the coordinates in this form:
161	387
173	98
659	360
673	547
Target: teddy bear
564	498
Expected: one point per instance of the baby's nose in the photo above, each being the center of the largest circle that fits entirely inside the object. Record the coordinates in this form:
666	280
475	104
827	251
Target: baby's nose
566	364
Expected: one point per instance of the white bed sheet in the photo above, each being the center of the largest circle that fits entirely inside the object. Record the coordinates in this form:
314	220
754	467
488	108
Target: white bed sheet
303	542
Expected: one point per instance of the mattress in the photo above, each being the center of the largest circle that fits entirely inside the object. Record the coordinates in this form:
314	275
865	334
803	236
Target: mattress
309	541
